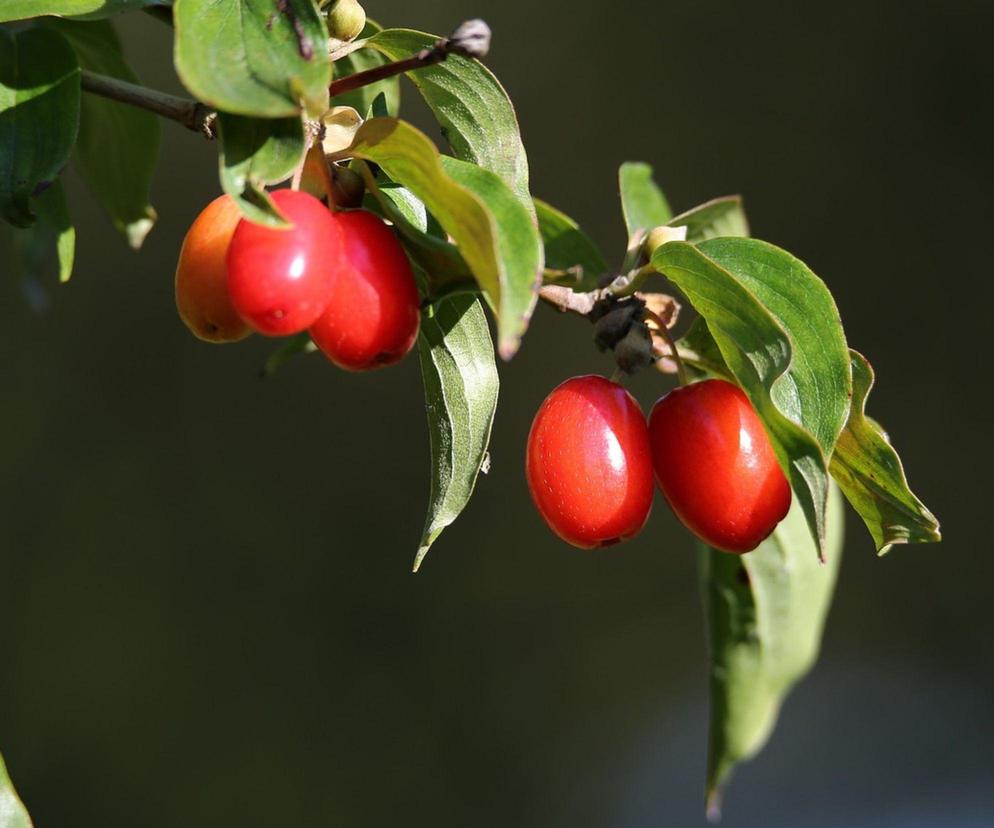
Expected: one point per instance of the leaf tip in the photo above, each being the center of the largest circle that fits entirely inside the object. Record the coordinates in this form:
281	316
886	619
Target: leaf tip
418	558
712	805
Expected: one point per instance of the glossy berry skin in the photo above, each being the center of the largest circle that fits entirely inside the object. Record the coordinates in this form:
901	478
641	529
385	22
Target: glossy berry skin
202	277
716	466
280	280
373	317
588	463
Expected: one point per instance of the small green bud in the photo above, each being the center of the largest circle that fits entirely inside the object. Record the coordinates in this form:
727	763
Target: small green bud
346	19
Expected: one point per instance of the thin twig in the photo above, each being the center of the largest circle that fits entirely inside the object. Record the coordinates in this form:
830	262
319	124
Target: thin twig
186	111
566	299
471	39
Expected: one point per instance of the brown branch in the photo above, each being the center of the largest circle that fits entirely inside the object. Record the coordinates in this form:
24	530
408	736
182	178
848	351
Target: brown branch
471	39
186	111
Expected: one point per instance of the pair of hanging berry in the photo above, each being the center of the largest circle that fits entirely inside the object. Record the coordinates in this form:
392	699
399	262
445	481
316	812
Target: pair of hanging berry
592	456
341	275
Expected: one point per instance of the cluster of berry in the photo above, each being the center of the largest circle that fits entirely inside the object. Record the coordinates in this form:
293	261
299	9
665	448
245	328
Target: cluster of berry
592	456
340	275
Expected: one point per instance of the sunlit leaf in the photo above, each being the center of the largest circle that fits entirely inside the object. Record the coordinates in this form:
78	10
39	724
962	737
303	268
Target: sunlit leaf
460	380
488	224
719	217
474	111
85	9
869	471
253	57
779	333
12	811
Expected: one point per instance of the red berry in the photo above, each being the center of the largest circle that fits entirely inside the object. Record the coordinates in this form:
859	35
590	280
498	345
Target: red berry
716	466
202	278
373	317
280	280
588	463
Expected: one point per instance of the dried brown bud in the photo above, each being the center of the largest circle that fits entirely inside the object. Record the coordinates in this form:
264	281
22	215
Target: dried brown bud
663	306
634	351
471	39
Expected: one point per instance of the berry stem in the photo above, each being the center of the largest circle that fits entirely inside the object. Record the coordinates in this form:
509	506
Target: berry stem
186	111
664	332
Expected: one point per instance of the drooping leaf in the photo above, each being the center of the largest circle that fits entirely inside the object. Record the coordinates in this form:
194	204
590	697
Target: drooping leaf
765	615
487	223
568	249
13	814
720	217
778	331
643	203
253	57
39	115
52	236
360	60
869	471
84	9
461	384
118	145
474	111
256	152
517	241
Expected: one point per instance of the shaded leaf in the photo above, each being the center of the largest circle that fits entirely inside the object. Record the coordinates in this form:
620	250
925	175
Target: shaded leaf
292	347
12	811
87	9
720	217
461	385
253	57
765	611
52	233
474	111
778	331
869	471
359	61
568	248
490	227
643	203
118	145
39	115
255	152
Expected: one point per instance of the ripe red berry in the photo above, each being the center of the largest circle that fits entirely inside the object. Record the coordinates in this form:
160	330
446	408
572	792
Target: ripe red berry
716	466
373	317
588	463
202	278
280	280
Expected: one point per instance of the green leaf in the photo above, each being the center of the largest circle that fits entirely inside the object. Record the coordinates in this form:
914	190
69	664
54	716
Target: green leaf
293	346
255	152
766	611
471	106
362	99
118	145
569	249
85	9
12	811
778	331
642	202
869	471
491	228
39	115
719	217
254	57
461	384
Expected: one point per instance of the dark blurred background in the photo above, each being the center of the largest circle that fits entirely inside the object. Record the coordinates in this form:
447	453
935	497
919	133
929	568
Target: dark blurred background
206	611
